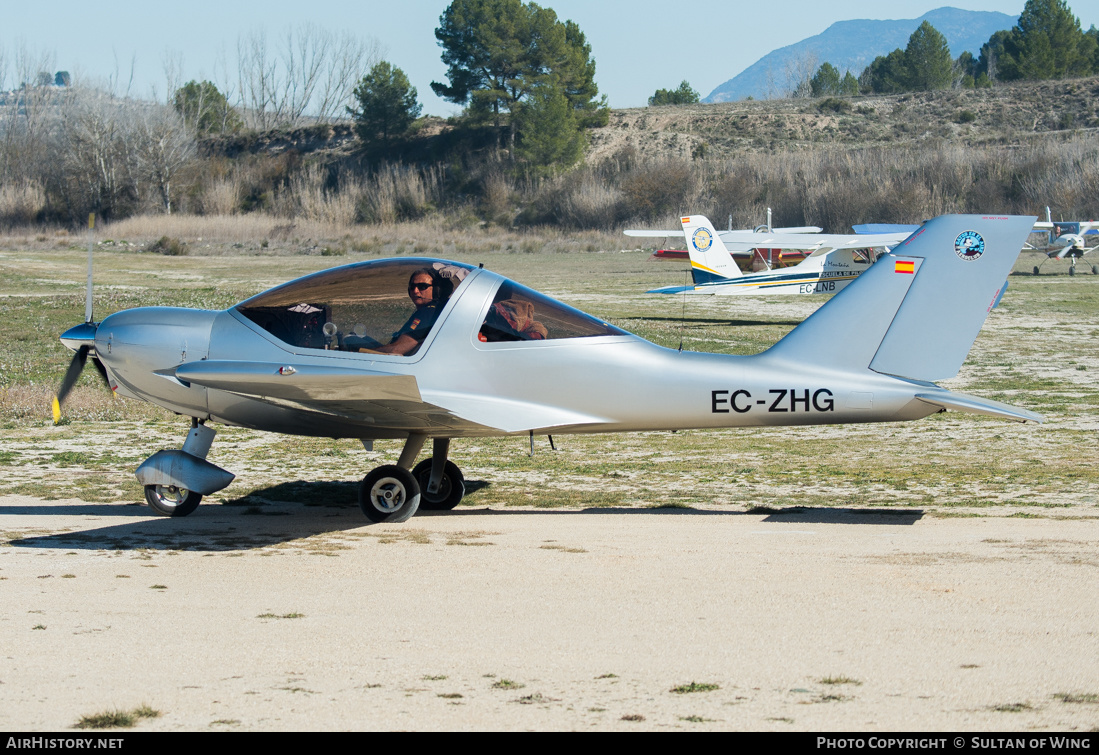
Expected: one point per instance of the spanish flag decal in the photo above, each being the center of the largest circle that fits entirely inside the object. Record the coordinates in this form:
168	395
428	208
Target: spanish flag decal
904	266
685	220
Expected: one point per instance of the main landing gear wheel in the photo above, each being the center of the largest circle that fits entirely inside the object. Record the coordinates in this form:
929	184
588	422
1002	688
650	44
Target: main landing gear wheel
451	488
389	494
168	500
1036	270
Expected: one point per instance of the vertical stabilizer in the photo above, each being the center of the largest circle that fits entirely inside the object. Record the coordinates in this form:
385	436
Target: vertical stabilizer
917	311
710	260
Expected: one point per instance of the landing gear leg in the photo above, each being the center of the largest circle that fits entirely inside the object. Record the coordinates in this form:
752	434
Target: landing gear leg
173	479
441	482
391	493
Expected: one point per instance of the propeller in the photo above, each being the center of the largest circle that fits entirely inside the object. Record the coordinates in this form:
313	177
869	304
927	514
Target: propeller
80	339
72	374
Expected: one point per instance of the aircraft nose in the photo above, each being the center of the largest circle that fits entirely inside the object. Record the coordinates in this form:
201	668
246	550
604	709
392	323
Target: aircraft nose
154	338
141	349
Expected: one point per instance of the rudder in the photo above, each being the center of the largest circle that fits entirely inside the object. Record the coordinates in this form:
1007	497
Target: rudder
710	260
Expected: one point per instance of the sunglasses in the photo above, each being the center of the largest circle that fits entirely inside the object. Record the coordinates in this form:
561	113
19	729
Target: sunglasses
418	286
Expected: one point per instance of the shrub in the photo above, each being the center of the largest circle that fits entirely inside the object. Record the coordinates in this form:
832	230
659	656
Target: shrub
834	105
168	246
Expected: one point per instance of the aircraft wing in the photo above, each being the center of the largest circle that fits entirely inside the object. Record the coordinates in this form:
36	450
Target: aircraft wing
822	242
653	234
303	383
871	228
802	229
381	399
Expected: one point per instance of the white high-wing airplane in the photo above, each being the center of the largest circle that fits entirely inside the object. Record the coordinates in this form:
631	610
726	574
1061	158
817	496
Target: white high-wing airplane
1067	239
833	261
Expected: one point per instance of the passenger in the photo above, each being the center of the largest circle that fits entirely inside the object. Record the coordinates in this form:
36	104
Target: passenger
429	293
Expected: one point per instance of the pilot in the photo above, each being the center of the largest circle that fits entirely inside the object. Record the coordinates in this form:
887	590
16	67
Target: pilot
429	292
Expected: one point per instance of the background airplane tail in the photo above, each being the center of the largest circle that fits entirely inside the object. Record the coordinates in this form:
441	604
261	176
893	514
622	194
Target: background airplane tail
917	311
710	260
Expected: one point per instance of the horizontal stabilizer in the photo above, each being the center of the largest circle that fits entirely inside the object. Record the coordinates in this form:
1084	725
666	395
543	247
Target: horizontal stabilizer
961	402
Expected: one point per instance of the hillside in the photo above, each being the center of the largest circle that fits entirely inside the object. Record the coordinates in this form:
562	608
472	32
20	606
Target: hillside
1007	114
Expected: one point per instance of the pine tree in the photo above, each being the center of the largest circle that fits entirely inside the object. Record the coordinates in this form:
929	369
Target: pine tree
684	95
498	52
927	60
205	109
826	81
888	74
849	85
1047	43
387	106
549	136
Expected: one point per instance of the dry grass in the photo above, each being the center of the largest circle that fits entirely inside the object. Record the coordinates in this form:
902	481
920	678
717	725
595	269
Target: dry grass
33	402
21	204
438	234
831	186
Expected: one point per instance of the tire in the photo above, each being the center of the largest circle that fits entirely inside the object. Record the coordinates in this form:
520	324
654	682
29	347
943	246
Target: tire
1035	269
1072	271
1095	269
168	500
389	494
451	488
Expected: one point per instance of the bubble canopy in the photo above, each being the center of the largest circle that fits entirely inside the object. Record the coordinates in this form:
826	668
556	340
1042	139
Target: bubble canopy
362	306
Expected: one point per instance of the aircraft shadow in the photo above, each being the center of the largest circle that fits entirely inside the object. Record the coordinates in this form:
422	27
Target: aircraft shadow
793	515
810	515
296	511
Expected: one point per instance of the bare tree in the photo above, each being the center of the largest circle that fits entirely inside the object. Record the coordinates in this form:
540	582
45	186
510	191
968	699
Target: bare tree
799	72
25	119
312	70
257	71
162	146
172	64
94	172
349	61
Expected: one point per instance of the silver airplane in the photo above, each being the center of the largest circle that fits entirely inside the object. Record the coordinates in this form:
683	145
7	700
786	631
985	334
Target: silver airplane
419	349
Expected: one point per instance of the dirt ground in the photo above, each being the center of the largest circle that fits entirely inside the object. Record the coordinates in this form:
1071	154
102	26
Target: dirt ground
597	619
934	575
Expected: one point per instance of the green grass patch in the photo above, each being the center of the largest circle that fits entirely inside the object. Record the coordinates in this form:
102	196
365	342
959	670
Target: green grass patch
116	719
840	680
686	689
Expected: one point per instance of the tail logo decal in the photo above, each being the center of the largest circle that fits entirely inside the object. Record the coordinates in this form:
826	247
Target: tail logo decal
905	266
969	245
702	239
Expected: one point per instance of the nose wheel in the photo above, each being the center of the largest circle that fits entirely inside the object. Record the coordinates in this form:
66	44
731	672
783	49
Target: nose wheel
389	494
170	500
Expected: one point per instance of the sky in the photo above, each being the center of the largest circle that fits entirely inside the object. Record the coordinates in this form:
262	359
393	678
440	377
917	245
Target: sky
638	45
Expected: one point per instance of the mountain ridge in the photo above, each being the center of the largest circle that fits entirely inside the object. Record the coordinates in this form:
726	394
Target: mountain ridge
853	45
